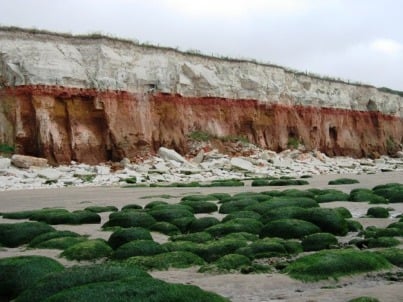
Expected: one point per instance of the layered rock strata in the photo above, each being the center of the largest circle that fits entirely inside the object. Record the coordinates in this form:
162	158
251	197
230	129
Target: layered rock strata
98	99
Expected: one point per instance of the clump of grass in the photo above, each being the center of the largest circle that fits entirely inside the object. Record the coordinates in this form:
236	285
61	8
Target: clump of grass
242	214
374	232
332	196
192	184
185	246
319	241
329	220
241	236
201	224
16	234
127	219
396	225
281	202
396	197
354	226
382	242
288	228
170	213
236	225
200	206
220	196
367	195
227	263
287	177
135	289
19	273
6	149
378	212
225	183
345	213
250	196
130	180
387	190
260	182
183	223
88	250
213	250
198	237
200	136
334	264
51	235
293	142
177	259
155	203
288	182
265	248
165	228
199	198
165	196
101	209
131	207
297	193
122	236
274	193
85	177
236	205
281	213
292	246
364	299
18	215
343	181
138	248
62	216
393	255
60	243
72	277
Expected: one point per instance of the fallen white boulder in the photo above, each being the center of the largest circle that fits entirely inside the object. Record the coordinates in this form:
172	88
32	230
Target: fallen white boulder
242	164
25	161
169	154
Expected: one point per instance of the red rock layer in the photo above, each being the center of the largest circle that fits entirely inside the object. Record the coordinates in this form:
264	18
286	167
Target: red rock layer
86	125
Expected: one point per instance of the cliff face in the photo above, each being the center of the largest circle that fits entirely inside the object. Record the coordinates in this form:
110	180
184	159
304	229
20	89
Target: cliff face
93	100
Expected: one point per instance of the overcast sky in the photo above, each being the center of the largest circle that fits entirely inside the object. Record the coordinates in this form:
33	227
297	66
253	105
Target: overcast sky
359	40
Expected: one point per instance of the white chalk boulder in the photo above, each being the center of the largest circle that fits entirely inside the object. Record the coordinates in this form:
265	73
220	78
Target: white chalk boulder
25	161
169	154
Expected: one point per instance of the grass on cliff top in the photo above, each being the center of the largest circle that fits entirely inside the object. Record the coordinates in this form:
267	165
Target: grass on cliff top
334	264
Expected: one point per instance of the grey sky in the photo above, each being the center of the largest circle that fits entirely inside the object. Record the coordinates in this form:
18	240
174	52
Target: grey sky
359	40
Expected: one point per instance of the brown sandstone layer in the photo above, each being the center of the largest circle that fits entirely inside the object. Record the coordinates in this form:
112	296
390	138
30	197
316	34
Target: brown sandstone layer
92	126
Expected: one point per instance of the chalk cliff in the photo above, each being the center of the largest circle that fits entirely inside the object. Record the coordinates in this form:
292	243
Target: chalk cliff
93	99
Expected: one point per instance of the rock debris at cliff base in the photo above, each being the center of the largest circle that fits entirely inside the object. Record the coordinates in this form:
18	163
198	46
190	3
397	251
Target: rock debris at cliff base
170	167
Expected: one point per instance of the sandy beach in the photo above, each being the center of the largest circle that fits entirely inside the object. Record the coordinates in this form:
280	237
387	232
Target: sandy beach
237	287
